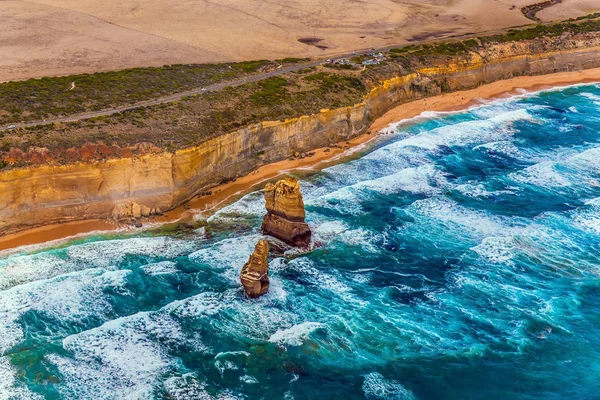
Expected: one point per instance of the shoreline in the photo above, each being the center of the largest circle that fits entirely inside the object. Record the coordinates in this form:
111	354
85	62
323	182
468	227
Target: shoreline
323	157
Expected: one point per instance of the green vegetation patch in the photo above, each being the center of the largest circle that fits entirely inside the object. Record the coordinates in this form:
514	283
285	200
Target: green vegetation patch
51	97
273	91
333	82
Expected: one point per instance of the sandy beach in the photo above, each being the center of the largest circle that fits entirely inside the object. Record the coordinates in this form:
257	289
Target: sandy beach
226	193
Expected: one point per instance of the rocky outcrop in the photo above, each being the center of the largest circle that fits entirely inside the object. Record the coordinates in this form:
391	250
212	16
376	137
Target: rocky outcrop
133	210
285	213
255	273
47	194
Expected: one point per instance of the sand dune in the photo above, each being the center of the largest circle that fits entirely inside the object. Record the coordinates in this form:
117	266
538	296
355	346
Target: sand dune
569	9
55	37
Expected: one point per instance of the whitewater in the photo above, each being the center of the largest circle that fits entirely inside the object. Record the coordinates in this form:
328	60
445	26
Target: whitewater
457	258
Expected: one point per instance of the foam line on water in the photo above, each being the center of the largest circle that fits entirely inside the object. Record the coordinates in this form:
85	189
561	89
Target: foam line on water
375	386
296	335
570	169
480	108
123	357
21	269
69	298
451	214
228	255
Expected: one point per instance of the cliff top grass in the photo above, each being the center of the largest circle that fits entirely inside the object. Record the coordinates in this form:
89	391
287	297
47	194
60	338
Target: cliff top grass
38	99
192	120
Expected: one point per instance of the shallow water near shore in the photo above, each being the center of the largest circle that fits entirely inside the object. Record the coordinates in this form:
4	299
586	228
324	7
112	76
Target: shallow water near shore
458	259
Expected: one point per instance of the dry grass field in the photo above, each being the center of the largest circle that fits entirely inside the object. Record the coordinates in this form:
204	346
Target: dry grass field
59	37
569	9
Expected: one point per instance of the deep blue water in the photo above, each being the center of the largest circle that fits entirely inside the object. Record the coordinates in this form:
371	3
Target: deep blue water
459	258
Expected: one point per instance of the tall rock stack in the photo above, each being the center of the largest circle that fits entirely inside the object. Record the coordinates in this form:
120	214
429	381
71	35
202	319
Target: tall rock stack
255	273
285	213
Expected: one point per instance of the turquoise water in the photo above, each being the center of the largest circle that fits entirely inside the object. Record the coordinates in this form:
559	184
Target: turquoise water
459	258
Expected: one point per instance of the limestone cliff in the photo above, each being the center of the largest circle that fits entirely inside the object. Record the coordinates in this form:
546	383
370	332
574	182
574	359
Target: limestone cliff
255	273
49	194
285	213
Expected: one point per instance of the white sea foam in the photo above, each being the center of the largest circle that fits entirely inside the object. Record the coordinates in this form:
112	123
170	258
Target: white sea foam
588	160
186	387
593	202
479	190
288	396
485	108
160	268
258	324
249	380
590	96
10	389
504	147
468	133
233	307
232	353
453	214
68	298
363	238
110	252
496	249
126	357
322	280
375	386
543	175
277	290
424	116
189	387
23	269
569	168
588	218
228	254
390	159
16	270
207	303
296	335
425	179
120	359
223	366
345	201
327	231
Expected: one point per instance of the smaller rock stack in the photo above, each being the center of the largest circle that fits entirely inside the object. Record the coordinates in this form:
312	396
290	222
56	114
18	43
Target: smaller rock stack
285	213
255	273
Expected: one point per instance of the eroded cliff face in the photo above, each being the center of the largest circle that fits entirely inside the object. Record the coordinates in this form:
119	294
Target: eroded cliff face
49	194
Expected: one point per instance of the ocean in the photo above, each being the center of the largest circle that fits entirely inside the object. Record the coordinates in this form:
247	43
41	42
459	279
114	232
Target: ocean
457	258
